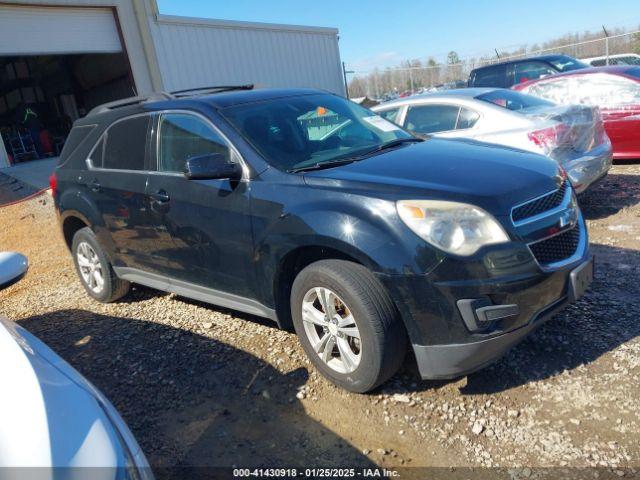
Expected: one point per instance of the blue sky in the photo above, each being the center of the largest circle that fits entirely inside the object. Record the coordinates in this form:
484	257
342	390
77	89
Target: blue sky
384	32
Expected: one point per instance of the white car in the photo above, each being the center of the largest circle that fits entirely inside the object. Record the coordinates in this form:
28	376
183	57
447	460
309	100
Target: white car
53	422
618	59
574	135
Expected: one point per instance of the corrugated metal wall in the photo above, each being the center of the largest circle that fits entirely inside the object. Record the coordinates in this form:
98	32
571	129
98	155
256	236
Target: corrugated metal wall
191	52
197	52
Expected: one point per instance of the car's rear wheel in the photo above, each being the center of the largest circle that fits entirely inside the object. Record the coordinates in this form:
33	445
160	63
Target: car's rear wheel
347	324
94	270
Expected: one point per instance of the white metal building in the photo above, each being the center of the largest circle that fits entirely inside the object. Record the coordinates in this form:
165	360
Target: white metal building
59	58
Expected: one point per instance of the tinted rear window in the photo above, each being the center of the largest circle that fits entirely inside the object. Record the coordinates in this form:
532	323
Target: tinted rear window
126	144
513	100
75	138
494	76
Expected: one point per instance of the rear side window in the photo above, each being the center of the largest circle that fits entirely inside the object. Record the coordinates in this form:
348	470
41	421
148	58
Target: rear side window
184	136
494	76
525	71
466	119
97	154
390	114
75	138
126	144
431	118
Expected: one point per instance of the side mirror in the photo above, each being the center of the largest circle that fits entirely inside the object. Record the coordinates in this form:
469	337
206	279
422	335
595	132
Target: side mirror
211	166
13	266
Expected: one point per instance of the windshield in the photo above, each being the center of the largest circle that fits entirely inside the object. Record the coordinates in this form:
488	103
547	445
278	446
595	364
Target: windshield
299	131
513	100
563	63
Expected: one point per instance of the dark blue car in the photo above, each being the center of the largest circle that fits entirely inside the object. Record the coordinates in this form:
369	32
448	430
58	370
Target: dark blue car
303	207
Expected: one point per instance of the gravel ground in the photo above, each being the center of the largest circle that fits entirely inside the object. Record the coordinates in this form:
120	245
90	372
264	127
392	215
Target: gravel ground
199	385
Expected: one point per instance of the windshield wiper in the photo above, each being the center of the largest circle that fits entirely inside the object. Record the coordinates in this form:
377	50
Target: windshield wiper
322	165
394	143
354	158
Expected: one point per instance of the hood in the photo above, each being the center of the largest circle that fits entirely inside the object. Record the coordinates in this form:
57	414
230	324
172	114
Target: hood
493	177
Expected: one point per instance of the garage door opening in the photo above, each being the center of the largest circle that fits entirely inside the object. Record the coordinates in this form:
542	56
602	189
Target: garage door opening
42	95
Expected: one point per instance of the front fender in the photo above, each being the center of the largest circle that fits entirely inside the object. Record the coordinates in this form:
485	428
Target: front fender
365	229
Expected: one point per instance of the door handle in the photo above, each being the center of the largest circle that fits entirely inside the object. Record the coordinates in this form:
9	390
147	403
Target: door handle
95	186
160	196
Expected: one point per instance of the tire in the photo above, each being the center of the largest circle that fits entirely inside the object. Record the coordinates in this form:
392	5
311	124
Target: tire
358	298
84	245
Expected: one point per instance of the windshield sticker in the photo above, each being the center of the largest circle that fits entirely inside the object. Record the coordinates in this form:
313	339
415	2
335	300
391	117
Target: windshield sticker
381	124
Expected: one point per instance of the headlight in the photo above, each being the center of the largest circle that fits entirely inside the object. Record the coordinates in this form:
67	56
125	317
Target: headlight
457	228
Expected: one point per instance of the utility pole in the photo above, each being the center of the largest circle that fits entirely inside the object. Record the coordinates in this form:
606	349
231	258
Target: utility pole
344	74
606	45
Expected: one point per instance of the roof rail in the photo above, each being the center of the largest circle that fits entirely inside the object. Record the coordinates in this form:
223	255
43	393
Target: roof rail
157	96
125	102
188	92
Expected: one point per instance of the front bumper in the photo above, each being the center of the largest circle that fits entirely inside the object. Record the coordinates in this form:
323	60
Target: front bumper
589	168
444	344
455	360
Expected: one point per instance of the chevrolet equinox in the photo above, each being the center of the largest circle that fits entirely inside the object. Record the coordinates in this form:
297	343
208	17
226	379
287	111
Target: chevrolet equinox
303	207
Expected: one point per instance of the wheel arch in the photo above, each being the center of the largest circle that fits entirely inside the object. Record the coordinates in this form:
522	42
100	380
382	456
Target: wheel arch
296	260
71	221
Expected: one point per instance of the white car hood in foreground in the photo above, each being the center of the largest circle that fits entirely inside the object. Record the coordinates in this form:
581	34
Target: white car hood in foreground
51	416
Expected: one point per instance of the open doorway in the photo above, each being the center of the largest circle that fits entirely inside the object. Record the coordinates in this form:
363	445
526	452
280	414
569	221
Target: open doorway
42	95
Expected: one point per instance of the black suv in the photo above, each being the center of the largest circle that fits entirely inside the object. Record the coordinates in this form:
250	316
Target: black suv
506	74
303	207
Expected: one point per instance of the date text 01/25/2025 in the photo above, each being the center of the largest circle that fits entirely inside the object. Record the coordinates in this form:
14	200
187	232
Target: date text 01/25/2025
314	473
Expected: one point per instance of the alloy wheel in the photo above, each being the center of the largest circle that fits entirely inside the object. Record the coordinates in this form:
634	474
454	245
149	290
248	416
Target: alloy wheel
90	267
331	329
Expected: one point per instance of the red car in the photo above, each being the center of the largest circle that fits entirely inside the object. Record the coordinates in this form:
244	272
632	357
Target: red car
615	89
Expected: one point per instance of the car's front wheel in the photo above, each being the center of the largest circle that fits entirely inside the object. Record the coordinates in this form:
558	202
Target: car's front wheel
347	324
94	269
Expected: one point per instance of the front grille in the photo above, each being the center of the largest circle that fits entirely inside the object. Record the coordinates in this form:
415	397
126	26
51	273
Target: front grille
540	205
558	248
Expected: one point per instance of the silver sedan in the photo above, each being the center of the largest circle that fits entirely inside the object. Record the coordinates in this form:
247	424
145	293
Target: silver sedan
573	135
53	422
